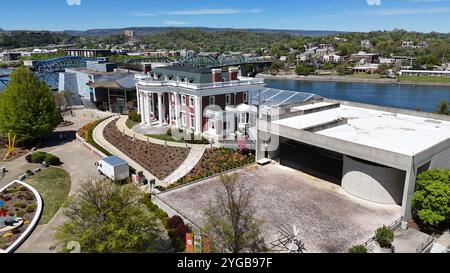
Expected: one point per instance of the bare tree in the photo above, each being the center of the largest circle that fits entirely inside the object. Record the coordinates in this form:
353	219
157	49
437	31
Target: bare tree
230	218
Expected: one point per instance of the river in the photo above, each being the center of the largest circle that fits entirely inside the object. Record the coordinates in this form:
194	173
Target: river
422	97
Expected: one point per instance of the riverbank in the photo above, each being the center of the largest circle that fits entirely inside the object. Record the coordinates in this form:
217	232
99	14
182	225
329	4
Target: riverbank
346	79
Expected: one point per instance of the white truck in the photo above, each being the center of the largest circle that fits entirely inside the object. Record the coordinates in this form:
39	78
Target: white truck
114	168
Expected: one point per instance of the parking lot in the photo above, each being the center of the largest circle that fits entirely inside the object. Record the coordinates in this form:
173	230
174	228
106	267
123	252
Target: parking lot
329	219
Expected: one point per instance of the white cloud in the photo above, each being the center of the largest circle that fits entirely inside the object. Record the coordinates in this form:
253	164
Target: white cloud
176	23
73	2
374	2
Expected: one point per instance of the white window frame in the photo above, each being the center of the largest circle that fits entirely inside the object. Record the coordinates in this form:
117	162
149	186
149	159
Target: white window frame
191	101
212	100
228	99
245	97
183	100
183	119
192	121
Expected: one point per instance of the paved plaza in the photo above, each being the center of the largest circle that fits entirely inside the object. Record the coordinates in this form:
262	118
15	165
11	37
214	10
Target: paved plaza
329	219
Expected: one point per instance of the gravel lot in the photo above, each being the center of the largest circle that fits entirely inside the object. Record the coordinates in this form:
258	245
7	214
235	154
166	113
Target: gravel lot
329	219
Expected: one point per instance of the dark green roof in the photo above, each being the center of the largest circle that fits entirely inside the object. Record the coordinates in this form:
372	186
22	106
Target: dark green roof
195	74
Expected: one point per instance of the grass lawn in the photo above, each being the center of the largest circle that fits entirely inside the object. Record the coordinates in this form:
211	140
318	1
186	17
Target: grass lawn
165	137
53	184
425	79
130	123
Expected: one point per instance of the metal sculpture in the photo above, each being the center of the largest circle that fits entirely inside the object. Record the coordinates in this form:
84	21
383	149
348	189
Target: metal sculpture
11	146
288	241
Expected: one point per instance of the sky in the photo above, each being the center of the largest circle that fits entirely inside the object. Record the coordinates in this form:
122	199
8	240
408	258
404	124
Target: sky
341	15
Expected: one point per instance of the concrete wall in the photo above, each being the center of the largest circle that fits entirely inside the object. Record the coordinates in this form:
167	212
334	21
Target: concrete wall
373	182
441	160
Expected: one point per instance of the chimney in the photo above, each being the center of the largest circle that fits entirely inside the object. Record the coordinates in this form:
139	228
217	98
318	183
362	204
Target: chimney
233	73
217	75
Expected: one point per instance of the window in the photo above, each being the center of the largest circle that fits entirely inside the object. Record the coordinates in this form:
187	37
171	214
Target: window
183	100
191	101
228	99
211	124
245	98
212	100
173	113
183	119
192	121
225	125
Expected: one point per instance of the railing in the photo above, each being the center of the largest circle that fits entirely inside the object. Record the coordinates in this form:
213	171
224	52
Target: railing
392	227
148	81
423	246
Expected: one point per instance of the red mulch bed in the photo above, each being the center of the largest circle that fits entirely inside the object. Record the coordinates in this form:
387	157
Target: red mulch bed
16	194
159	160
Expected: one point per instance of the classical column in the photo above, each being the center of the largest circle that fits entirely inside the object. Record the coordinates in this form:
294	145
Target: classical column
198	115
177	109
169	95
160	110
138	96
144	114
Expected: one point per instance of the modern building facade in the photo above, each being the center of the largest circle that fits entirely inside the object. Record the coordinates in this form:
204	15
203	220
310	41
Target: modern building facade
204	101
373	152
99	85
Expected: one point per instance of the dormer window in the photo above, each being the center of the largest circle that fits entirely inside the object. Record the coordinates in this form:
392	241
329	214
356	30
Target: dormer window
212	100
228	99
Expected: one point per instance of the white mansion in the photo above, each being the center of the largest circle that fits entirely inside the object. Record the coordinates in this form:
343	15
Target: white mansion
208	102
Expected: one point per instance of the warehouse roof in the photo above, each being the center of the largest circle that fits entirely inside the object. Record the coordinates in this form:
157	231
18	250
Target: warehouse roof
400	133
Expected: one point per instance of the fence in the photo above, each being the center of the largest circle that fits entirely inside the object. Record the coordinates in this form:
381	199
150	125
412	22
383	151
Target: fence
392	227
425	245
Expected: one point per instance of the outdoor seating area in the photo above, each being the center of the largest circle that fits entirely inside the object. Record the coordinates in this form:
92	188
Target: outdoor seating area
160	160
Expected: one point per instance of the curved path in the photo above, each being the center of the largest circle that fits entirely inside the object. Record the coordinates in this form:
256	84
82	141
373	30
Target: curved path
79	163
188	164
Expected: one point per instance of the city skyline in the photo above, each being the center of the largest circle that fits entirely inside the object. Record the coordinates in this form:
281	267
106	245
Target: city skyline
354	15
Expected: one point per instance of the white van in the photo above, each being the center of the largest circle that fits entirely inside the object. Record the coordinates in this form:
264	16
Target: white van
114	168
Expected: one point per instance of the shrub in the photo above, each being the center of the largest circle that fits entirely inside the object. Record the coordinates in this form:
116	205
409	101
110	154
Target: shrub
175	221
28	158
53	160
20	205
134	116
29	172
384	236
38	157
20	213
357	249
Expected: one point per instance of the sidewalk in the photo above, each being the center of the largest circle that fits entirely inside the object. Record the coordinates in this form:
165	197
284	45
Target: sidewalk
98	137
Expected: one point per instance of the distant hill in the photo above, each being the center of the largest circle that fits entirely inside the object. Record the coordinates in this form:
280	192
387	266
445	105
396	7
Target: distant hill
139	31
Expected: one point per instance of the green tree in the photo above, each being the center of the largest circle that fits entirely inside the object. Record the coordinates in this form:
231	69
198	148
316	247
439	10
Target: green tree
230	219
443	108
108	218
343	69
432	196
302	69
383	69
27	107
357	249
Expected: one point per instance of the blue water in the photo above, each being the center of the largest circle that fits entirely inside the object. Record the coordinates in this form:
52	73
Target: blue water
414	97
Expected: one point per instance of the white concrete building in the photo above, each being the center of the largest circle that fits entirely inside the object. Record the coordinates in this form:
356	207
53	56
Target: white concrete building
203	101
428	73
372	152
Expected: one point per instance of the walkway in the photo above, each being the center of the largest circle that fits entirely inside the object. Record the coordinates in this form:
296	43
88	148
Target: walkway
100	139
192	159
79	163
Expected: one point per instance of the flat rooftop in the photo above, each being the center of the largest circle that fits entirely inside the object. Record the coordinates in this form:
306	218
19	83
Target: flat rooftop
400	133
